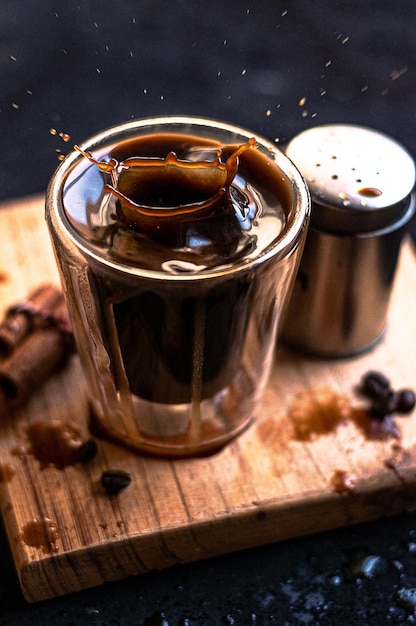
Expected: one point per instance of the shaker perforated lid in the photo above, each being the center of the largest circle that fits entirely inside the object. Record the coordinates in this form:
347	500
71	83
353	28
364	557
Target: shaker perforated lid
360	179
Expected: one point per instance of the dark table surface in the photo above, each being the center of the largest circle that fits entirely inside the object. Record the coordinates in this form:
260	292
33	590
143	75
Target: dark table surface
276	68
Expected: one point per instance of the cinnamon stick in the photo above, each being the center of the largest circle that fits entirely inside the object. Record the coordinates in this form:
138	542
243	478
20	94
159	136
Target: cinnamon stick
23	317
38	347
31	363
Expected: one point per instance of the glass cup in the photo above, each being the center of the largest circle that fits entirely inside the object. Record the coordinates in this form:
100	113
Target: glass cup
177	240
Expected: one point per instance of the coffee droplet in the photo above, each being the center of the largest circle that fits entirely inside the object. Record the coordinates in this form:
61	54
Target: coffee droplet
56	443
6	472
343	482
370	192
41	533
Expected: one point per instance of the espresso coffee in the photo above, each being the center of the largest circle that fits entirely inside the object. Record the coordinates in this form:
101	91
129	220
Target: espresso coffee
195	221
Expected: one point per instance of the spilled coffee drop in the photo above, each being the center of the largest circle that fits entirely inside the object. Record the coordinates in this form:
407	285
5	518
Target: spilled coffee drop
54	443
41	533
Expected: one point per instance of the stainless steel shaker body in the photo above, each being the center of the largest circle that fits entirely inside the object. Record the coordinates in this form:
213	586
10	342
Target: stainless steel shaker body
361	185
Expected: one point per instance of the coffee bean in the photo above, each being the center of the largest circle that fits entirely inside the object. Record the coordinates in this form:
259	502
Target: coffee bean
406	401
114	481
375	383
385	404
87	451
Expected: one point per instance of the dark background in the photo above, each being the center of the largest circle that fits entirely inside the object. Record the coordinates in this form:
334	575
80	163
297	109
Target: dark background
82	66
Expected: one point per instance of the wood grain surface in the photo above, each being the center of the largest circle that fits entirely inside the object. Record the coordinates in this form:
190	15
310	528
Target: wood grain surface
309	463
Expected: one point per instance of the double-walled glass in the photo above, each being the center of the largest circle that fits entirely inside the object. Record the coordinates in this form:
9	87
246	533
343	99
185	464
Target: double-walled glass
177	352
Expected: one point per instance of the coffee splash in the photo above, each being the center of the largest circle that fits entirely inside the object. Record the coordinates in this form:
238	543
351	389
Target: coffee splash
188	204
192	186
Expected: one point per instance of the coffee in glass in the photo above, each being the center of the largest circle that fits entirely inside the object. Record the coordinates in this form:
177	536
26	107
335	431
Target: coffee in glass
177	240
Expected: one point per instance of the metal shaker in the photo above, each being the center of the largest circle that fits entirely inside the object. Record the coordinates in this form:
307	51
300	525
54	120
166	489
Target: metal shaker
361	183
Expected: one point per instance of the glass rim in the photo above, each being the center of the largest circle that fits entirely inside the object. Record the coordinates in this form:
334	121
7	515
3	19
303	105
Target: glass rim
283	244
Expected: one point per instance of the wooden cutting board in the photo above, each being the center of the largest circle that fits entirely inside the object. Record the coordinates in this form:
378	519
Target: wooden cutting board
298	470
